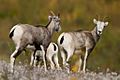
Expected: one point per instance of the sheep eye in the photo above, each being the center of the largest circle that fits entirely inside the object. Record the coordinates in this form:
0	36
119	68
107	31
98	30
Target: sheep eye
54	18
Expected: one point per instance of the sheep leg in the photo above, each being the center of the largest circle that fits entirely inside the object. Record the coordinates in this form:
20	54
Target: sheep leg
36	58
80	61
56	62
45	66
63	56
49	58
88	51
17	51
32	58
51	63
19	48
12	60
36	61
84	62
70	53
43	54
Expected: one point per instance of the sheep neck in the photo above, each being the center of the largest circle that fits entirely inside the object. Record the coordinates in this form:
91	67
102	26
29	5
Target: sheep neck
95	35
51	27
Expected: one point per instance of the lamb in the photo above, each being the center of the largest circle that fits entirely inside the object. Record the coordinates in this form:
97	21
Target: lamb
24	35
51	56
52	53
73	42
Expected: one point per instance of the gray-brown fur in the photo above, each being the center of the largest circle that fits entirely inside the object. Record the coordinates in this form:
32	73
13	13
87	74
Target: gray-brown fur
36	36
82	37
25	35
73	42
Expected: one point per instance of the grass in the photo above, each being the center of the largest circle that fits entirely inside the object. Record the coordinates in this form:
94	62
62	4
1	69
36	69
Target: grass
25	72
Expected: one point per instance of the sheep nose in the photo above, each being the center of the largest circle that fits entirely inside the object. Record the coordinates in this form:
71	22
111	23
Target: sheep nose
100	32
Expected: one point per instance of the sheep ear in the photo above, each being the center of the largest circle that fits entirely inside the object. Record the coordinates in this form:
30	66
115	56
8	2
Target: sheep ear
106	23
49	17
95	21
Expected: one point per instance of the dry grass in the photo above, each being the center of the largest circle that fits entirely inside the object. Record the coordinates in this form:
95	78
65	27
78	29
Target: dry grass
24	72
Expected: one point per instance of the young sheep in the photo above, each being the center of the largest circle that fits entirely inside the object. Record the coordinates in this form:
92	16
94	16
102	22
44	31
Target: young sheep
73	42
51	55
39	56
25	35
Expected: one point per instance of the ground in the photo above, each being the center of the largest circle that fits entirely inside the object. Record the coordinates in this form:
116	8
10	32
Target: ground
24	72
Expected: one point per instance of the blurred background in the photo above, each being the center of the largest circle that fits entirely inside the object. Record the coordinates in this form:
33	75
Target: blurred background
75	14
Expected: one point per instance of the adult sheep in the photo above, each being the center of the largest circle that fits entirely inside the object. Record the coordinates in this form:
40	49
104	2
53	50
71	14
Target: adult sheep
25	35
73	42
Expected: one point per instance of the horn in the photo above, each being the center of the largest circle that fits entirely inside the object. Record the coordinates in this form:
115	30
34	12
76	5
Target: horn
52	13
105	17
58	14
98	17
